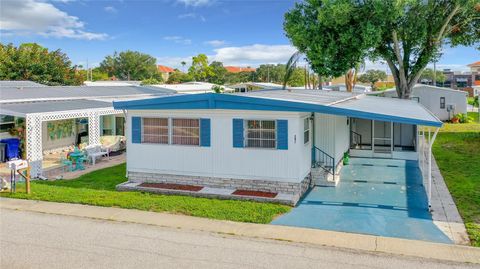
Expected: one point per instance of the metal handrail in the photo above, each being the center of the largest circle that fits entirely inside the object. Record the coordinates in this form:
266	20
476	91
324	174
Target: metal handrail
357	135
323	160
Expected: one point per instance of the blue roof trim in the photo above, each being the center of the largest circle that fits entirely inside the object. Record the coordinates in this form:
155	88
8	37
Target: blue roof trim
237	102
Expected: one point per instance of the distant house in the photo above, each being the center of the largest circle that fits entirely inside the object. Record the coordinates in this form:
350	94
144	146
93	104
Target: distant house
254	86
443	102
190	87
342	88
237	69
165	71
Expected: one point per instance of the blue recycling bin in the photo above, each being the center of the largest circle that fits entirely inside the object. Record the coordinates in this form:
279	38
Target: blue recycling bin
12	149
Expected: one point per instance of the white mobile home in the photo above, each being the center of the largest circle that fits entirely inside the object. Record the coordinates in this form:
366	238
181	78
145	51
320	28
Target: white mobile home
443	102
273	141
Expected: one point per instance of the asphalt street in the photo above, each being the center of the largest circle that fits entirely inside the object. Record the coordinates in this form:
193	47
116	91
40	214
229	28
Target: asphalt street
37	240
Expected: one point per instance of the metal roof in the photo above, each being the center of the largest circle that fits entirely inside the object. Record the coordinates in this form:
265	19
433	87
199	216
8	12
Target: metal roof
303	95
19	83
390	109
14	94
335	103
22	109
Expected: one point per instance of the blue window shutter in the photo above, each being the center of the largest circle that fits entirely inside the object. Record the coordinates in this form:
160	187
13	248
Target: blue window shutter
136	130
237	133
282	134
205	132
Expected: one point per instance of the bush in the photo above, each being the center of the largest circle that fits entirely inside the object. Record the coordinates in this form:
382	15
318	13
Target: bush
217	89
461	118
150	81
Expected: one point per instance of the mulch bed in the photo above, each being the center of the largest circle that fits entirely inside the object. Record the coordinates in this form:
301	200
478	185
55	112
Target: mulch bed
264	194
170	186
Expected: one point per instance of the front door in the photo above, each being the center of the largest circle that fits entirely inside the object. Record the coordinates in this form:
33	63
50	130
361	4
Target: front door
382	139
119	125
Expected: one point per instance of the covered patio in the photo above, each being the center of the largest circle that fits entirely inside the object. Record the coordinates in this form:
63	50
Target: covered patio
80	121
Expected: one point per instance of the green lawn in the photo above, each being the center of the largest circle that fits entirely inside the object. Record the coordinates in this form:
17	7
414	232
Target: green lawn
98	188
457	152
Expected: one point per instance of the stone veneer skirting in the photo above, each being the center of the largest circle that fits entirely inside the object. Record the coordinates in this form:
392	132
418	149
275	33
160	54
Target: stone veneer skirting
228	183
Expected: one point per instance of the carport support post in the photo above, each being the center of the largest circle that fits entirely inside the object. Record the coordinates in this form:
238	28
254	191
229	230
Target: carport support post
430	143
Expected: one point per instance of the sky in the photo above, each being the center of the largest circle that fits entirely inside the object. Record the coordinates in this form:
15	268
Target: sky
235	32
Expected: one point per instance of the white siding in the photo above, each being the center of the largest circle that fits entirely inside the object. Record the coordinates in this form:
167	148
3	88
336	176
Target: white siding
332	134
430	98
221	159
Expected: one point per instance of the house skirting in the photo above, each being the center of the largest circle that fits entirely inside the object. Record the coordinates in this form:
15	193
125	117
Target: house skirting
295	190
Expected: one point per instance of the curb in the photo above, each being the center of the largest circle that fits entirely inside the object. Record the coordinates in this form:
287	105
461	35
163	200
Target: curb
421	249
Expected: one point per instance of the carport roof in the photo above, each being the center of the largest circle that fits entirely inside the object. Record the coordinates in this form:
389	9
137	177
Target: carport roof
335	103
22	109
25	94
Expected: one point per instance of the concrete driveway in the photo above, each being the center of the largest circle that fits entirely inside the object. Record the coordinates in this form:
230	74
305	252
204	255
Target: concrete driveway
375	196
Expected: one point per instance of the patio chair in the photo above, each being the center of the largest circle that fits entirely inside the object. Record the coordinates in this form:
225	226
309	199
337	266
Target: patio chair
66	164
94	152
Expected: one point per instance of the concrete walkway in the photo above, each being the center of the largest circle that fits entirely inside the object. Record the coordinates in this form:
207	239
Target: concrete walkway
445	214
421	249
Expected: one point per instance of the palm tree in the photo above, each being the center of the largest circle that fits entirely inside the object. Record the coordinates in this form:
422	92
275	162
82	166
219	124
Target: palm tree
183	65
290	67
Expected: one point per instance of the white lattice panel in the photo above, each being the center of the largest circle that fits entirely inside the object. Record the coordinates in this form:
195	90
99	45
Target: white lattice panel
93	128
33	143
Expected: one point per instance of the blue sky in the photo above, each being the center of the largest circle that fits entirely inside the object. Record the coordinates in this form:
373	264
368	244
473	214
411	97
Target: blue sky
235	32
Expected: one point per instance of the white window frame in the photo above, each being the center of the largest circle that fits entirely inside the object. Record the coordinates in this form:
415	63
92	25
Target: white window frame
246	129
8	122
306	131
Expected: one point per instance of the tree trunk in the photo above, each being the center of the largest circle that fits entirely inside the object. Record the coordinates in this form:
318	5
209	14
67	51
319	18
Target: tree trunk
349	80
320	82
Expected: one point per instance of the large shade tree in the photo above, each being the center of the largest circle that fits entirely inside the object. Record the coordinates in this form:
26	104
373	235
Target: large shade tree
30	61
337	35
130	65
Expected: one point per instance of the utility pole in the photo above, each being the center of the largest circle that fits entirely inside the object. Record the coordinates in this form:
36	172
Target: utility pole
434	73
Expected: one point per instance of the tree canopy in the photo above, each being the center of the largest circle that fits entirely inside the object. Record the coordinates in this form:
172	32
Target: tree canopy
337	35
31	61
200	70
130	65
429	75
372	76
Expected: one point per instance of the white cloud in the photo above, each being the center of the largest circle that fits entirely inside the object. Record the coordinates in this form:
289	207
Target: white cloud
215	43
187	16
195	3
41	18
178	40
254	55
192	15
110	9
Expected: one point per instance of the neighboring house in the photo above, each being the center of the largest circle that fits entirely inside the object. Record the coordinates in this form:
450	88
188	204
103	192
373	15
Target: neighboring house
191	87
272	141
342	88
112	83
443	102
56	117
238	69
165	71
475	70
255	86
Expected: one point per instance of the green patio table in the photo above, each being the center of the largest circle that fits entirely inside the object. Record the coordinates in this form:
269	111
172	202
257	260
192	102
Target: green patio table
77	157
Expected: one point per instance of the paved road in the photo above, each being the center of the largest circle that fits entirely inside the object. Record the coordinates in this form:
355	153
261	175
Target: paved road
36	240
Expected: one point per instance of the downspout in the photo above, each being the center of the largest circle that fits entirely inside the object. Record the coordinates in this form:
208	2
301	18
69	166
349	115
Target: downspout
312	118
125	125
430	166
